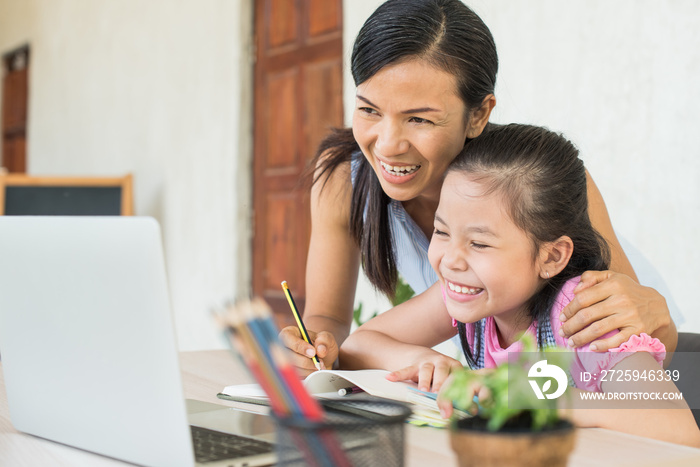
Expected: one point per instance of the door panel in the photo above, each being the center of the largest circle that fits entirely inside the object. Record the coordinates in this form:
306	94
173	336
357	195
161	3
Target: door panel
324	17
298	97
283	23
324	95
281	126
15	95
280	259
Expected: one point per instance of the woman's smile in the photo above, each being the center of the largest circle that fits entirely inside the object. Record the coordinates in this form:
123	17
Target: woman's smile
398	174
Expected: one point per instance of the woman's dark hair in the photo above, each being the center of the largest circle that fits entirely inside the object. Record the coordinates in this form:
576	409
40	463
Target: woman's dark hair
445	34
543	183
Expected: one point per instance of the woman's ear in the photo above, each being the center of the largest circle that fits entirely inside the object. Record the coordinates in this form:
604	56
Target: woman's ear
480	117
554	256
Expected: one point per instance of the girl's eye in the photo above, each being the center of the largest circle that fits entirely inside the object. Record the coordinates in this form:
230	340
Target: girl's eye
420	120
479	246
439	233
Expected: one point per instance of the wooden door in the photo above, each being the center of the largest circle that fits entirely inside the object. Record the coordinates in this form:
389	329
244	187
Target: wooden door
15	93
298	97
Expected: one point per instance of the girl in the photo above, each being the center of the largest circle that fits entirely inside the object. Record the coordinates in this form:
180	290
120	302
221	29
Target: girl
511	238
425	72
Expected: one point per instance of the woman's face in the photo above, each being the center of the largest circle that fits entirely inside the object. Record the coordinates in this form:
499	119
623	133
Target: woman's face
410	124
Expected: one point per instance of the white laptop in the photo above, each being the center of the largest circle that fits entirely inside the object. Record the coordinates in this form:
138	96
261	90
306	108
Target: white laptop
88	347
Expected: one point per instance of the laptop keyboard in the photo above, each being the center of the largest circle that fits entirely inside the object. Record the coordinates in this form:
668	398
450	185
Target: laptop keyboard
210	445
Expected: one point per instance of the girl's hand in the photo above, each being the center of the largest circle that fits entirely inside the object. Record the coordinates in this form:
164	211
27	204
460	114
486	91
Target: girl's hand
325	348
430	371
472	389
605	301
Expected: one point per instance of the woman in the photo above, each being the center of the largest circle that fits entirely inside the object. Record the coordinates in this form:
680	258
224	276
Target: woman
425	72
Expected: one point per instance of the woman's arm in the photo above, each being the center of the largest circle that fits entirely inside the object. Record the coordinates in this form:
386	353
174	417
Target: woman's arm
331	273
399	340
607	300
600	219
666	420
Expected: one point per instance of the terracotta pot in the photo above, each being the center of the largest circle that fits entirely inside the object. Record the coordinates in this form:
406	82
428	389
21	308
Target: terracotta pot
476	447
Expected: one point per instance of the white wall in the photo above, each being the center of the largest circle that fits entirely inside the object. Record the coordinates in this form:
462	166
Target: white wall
159	89
162	89
621	80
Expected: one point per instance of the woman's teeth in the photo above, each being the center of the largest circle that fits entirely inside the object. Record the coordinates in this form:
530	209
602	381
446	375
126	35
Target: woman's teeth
464	290
400	171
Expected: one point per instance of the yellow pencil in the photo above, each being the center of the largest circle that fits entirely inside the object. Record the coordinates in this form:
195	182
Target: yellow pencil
300	323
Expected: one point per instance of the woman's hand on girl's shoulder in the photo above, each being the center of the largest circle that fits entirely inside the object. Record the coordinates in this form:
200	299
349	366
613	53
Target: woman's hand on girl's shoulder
605	301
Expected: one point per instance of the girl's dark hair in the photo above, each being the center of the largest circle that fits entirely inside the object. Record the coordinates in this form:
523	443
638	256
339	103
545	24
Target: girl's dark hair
543	183
445	34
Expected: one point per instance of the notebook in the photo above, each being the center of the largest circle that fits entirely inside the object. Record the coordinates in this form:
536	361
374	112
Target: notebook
88	348
326	384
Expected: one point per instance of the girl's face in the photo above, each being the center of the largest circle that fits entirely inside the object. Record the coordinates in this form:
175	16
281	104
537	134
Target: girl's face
410	124
486	264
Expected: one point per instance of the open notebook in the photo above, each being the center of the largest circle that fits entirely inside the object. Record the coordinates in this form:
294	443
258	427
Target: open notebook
325	384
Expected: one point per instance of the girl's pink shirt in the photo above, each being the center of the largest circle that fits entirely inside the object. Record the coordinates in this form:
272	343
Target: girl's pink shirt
585	360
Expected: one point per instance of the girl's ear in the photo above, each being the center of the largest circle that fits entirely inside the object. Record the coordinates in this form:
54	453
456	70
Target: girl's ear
554	256
480	117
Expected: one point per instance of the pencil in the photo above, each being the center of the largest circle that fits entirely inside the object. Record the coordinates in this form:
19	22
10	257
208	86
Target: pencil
300	323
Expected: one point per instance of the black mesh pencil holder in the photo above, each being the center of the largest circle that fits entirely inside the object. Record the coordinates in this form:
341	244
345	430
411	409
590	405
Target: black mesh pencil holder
353	433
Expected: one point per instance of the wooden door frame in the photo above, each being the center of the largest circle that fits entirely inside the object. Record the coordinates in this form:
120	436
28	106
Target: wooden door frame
312	48
12	130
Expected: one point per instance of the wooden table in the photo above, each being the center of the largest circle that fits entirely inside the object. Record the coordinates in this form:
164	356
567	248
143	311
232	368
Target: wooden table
205	373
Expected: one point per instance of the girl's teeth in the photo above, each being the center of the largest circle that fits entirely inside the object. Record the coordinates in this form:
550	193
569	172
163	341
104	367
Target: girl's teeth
400	171
464	290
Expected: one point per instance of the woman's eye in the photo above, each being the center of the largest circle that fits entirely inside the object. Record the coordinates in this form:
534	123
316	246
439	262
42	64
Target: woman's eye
367	110
420	120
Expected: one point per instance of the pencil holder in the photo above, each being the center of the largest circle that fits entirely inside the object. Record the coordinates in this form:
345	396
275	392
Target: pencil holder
353	433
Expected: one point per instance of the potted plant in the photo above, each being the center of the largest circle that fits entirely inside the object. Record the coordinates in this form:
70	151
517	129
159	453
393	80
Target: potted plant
513	427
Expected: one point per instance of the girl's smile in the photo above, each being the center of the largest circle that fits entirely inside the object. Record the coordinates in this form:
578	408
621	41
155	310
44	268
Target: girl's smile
462	292
485	263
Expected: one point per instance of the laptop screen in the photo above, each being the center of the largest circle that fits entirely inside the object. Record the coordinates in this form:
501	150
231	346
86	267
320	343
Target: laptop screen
86	338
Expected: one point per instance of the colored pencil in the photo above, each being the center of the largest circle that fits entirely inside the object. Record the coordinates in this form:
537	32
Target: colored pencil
254	336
